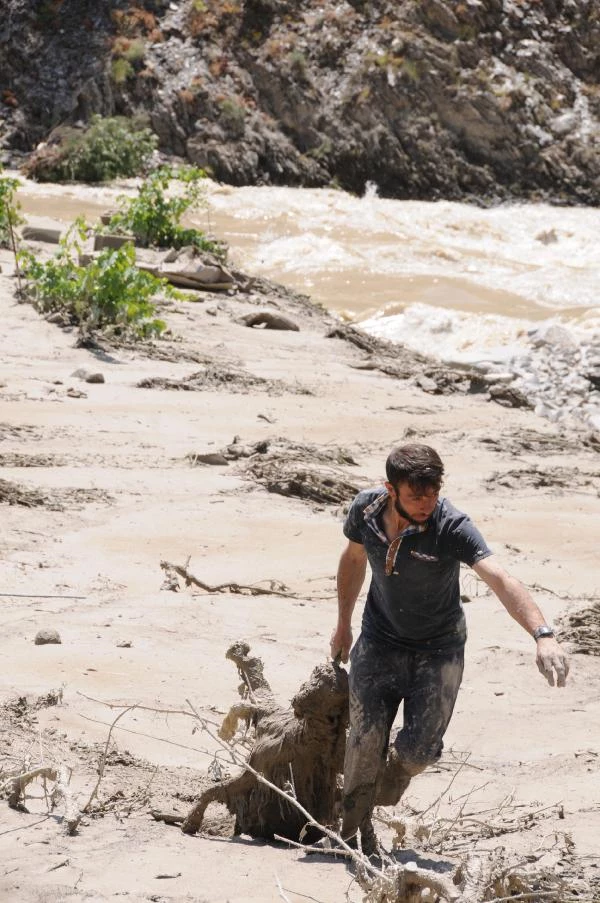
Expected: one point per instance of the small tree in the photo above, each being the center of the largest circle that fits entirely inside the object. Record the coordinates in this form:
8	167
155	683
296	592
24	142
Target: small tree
110	148
9	209
154	215
110	293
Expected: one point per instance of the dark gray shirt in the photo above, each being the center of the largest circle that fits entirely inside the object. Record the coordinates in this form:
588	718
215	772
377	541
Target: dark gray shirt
418	606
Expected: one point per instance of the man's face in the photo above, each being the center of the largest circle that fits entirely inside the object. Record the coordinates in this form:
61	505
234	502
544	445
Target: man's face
414	505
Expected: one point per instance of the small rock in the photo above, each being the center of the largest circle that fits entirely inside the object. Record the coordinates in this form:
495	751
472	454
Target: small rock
509	397
552	334
427	384
76	393
94	378
43	637
124	644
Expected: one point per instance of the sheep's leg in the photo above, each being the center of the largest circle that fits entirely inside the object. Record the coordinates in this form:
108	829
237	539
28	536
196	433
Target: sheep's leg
246	710
226	792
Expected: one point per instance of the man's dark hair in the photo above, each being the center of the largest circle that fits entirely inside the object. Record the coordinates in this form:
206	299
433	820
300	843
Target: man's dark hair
418	465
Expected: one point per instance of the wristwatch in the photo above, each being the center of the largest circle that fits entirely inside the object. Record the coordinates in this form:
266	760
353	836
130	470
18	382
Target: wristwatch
542	631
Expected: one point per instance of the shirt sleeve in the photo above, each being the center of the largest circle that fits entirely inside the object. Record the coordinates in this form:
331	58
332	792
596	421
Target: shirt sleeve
354	521
465	542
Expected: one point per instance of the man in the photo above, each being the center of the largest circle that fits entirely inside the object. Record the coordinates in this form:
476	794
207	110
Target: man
413	629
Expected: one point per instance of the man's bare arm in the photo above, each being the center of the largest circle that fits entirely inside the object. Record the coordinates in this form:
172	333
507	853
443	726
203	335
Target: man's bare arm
350	578
519	604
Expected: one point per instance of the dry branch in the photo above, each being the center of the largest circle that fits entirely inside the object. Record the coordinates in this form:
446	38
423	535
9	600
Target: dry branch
275	587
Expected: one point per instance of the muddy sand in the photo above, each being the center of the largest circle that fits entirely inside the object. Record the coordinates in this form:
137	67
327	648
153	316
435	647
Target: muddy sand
233	451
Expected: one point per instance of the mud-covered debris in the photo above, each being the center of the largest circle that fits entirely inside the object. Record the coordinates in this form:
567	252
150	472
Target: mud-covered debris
19	431
237	381
266	319
548	478
299	451
214	458
509	397
16	459
53	499
381	348
280	476
581	628
305	470
304	744
535	442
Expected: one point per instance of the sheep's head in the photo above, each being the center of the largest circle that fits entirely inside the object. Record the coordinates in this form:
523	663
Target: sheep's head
324	694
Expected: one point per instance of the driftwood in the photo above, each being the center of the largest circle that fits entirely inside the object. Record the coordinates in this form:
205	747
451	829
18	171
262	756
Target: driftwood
275	588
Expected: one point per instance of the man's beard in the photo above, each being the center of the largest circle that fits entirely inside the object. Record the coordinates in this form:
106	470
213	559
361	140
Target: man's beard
403	513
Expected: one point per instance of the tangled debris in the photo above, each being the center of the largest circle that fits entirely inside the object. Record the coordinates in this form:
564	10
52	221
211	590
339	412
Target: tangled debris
283	477
214	377
400	362
19	431
52	499
305	451
581	628
538	443
16	459
303	470
549	478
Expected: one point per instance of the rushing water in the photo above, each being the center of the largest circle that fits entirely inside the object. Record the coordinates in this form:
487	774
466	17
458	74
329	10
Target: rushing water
447	278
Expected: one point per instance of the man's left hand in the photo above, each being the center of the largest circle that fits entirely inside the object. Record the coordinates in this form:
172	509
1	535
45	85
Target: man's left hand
551	659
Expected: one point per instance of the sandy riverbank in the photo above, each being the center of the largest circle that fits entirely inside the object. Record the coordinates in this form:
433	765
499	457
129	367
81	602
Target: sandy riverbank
125	640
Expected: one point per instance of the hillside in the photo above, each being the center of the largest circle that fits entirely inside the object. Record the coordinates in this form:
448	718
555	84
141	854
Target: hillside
428	99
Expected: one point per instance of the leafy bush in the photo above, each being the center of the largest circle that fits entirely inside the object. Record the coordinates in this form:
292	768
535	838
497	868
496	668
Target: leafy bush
109	148
120	70
109	293
153	217
9	208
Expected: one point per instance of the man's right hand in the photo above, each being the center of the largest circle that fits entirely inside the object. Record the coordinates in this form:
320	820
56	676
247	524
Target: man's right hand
341	643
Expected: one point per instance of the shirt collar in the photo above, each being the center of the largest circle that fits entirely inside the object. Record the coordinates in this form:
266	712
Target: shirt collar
372	512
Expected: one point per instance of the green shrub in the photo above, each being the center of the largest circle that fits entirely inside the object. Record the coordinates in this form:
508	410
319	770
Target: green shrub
111	293
153	216
108	149
233	116
9	208
120	70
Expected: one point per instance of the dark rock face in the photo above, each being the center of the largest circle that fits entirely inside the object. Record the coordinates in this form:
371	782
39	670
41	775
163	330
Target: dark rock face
428	99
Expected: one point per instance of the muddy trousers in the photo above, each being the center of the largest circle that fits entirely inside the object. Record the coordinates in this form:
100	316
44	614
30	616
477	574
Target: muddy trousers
381	677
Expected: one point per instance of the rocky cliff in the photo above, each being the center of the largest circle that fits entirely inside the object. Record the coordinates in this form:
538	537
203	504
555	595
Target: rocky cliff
487	99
